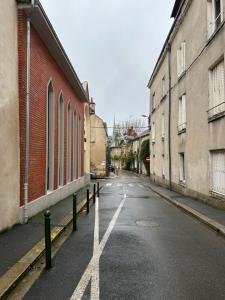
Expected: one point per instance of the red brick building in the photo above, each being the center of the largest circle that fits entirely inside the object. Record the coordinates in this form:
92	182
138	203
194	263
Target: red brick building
51	107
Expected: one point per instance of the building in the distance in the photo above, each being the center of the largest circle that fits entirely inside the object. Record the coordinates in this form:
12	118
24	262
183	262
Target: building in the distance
99	144
187	90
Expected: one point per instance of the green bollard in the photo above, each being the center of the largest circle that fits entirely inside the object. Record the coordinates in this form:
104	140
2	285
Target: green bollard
88	201
48	244
94	193
74	212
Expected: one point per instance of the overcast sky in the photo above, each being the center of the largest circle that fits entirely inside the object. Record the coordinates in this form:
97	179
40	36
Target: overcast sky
114	45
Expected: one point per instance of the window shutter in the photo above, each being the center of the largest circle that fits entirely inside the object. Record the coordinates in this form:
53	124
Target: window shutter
163	125
183	109
183	53
178	63
210	18
218	171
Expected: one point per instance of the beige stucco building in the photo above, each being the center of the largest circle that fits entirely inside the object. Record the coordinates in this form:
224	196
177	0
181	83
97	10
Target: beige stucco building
187	106
98	146
9	116
87	133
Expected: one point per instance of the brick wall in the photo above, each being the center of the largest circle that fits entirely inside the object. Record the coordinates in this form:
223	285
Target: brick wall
43	69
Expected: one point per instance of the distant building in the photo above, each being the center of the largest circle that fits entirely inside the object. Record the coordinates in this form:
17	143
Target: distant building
98	146
187	92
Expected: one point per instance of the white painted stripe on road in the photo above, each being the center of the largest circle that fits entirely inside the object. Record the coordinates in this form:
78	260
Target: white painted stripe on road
83	283
119	184
108	184
130	184
95	272
140	185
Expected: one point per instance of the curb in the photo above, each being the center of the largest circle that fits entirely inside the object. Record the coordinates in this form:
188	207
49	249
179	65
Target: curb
194	213
11	278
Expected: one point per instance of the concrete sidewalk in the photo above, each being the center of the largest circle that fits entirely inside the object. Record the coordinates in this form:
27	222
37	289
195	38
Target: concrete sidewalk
19	240
208	215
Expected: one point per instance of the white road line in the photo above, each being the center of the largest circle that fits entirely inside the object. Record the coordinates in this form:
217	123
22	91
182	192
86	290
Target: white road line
140	185
130	184
119	184
108	184
95	272
83	283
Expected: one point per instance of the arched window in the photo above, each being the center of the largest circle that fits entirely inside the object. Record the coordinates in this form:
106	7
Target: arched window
61	141
68	167
50	139
74	145
79	147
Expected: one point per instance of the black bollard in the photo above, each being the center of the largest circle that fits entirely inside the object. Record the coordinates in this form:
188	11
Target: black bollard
94	193
98	189
88	200
48	250
74	212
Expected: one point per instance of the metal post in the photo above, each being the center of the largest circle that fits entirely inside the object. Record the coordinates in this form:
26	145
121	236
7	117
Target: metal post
94	193
88	200
98	189
74	212
48	254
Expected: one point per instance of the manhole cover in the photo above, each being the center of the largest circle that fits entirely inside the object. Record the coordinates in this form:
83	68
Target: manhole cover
147	223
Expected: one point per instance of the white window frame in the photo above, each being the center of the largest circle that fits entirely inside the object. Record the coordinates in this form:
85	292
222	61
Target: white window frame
68	144
153	132
50	131
217	89
74	145
61	141
182	177
181	59
153	101
163	86
182	113
212	19
217	176
163	127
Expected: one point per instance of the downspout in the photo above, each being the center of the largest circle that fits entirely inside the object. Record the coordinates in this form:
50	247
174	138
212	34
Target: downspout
169	116
27	117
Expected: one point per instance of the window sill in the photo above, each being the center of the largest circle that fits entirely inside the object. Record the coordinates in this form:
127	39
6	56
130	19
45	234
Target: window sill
180	131
216	194
212	36
216	116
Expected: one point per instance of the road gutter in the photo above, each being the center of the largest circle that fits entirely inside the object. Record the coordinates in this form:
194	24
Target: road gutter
194	213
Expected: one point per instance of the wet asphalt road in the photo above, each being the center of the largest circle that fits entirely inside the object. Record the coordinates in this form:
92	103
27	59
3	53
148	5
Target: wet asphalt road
153	251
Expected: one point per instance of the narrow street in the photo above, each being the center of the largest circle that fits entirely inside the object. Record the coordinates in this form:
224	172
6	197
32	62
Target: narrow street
135	245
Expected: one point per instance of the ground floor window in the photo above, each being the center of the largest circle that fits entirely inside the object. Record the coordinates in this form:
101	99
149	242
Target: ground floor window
182	167
218	171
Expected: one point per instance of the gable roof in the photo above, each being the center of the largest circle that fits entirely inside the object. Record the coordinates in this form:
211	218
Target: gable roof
44	28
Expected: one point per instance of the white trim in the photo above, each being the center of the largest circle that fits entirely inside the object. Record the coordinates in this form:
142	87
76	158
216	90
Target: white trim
60	154
68	142
51	185
51	198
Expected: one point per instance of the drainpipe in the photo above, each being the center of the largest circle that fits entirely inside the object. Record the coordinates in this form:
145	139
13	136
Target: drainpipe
169	116
27	117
